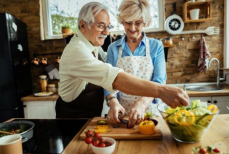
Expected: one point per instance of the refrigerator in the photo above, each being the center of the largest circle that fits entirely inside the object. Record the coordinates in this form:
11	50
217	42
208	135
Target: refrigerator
15	72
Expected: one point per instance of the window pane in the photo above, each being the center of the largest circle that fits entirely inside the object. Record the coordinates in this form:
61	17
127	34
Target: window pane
65	12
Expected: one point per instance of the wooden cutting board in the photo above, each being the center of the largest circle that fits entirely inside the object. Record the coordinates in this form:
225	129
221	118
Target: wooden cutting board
121	132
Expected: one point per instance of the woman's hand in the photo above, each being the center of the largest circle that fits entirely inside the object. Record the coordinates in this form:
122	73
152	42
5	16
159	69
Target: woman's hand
137	113
115	109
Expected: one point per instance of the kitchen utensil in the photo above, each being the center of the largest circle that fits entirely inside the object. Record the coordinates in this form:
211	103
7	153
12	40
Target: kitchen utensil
121	132
187	127
174	24
3	132
27	134
11	144
194	14
105	150
209	31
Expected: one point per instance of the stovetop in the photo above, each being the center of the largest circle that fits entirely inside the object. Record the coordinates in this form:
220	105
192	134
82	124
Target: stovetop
51	136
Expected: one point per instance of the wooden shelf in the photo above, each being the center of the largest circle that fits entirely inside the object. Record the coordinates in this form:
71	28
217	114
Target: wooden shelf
169	46
224	69
205	11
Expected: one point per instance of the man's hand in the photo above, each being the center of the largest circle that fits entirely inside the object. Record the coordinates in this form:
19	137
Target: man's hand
173	96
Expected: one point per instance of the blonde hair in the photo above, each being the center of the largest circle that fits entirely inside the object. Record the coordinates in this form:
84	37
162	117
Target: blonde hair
130	10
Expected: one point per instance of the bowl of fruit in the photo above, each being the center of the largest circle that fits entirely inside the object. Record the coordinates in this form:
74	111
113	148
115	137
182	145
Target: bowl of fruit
189	124
100	145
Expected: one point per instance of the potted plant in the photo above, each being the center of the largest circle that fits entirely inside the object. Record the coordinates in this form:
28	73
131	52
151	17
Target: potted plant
66	29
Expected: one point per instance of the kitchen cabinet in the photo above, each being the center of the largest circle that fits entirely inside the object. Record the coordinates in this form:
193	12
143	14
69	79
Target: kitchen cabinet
39	109
221	101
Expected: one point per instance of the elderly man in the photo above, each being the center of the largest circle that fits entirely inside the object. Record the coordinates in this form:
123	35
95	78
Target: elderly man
83	74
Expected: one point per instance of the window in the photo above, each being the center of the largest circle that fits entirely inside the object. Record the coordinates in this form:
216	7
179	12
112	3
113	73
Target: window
226	34
58	13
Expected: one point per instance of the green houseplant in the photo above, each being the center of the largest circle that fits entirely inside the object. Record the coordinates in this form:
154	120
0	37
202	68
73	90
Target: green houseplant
66	29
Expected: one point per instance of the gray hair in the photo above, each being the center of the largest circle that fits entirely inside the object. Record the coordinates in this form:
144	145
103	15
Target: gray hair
89	11
130	10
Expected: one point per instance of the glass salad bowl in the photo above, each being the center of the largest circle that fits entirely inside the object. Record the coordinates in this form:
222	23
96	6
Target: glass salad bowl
189	124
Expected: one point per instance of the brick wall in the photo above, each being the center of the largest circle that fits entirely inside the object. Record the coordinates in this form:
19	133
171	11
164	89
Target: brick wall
182	59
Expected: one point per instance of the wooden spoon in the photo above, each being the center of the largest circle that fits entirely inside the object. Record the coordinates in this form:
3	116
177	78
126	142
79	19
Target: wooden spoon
3	132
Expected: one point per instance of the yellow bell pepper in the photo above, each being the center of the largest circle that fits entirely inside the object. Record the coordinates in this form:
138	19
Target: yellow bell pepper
102	127
181	117
146	127
213	108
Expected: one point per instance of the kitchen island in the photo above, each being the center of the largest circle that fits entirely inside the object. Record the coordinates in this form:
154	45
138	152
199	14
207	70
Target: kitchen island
217	135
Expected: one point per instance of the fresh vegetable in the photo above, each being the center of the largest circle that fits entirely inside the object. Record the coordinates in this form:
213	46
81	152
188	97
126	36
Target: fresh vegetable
188	124
213	108
148	115
101	122
184	117
95	139
88	139
147	127
207	150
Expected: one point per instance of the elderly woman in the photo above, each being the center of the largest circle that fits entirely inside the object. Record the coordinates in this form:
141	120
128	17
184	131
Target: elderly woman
138	55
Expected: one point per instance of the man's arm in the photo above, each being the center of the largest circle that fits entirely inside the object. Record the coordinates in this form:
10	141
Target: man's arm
130	84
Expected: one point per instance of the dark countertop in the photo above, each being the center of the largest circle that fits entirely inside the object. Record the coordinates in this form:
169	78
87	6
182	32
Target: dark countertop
51	136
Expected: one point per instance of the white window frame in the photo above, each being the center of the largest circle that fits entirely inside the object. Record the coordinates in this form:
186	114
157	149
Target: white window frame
46	28
226	34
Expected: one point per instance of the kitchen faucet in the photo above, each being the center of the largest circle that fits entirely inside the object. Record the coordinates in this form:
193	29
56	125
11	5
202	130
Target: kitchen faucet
218	77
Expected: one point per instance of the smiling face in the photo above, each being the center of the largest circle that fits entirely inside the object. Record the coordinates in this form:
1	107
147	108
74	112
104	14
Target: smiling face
134	28
95	35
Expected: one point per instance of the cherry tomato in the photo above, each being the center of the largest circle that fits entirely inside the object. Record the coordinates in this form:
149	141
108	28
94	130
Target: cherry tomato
89	133
102	140
216	150
97	135
88	140
95	143
202	151
108	144
102	145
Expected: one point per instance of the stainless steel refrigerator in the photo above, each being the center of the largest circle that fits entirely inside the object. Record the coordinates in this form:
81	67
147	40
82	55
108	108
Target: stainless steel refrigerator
15	73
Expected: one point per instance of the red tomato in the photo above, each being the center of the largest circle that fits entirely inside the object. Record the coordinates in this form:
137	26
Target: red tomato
97	135
202	151
88	140
108	144
95	143
216	150
90	133
102	140
102	145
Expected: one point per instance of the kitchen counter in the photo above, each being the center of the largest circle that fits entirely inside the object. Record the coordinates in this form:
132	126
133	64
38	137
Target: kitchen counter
224	92
217	134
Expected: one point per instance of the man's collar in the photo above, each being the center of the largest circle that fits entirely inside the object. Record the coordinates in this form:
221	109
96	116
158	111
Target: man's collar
87	43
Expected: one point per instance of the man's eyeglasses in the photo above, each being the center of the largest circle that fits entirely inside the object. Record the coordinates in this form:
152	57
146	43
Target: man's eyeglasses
103	27
136	24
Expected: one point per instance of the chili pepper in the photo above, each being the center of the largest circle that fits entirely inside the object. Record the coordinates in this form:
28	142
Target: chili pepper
183	115
147	127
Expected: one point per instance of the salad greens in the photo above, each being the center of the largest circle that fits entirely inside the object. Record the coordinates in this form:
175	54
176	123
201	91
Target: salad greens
188	124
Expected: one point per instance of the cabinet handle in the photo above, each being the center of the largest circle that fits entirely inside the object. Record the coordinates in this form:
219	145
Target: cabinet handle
24	105
215	102
209	101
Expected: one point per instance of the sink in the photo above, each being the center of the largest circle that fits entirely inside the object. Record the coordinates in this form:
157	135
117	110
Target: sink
203	88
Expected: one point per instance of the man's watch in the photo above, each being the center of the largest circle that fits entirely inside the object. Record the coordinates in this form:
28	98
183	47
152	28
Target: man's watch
109	99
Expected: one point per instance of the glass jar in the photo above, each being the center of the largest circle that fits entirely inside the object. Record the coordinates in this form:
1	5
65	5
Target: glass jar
168	41
52	88
43	82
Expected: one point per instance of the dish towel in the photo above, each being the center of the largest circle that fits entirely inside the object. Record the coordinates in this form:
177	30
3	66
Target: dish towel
52	72
203	56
